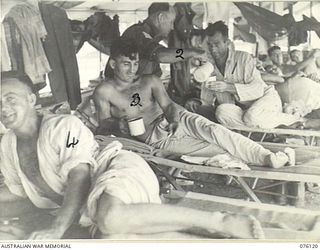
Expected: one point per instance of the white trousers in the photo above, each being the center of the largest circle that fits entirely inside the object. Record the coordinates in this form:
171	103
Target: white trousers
266	112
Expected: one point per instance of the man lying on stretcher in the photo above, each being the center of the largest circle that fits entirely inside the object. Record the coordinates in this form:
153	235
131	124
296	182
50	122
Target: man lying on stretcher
300	95
53	161
167	125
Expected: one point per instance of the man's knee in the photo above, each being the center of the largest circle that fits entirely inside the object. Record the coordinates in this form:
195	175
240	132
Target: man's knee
254	118
108	221
107	214
229	114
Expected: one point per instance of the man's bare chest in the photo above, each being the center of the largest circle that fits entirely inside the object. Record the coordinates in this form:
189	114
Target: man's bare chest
28	159
131	101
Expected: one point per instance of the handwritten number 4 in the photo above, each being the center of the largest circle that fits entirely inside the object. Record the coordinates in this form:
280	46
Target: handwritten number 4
180	53
73	143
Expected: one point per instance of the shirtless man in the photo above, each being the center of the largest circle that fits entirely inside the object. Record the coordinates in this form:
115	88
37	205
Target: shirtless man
168	126
48	160
291	86
275	54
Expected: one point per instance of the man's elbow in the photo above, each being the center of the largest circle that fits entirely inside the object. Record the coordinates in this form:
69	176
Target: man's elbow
81	173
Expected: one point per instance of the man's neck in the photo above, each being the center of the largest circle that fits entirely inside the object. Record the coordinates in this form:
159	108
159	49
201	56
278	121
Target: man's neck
121	84
221	61
154	29
30	128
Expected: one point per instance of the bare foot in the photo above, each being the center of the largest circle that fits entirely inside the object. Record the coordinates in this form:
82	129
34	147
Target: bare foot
242	227
276	160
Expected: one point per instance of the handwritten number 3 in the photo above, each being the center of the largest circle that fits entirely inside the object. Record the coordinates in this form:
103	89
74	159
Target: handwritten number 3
180	53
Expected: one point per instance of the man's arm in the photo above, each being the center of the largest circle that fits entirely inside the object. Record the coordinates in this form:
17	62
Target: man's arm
300	66
250	88
171	110
77	190
170	55
272	79
107	123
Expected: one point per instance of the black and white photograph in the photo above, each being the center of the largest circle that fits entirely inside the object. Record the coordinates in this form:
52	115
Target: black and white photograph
160	121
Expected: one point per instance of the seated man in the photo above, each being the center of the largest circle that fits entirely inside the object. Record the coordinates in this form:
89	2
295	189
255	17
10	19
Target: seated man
168	125
243	97
48	159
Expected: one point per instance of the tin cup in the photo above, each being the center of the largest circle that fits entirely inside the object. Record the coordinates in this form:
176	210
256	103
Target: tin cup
136	126
203	72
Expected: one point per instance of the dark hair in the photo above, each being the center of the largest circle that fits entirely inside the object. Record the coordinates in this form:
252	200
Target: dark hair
217	27
21	78
124	47
273	48
158	7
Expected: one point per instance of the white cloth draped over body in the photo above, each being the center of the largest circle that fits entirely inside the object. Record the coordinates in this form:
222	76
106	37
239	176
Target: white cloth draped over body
110	171
302	90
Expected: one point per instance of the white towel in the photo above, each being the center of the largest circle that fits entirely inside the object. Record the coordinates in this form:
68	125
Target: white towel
221	160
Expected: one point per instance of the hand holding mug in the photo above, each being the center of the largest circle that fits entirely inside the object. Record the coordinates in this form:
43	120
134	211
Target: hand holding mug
172	128
218	86
123	126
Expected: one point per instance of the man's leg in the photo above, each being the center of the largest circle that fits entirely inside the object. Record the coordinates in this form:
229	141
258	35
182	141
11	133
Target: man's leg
267	113
230	115
195	105
236	144
114	218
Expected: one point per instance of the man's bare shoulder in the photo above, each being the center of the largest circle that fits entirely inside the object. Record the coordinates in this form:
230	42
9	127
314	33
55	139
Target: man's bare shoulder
150	80
104	89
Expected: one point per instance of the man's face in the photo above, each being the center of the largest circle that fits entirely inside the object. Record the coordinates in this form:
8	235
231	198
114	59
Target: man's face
16	103
296	56
166	22
218	45
276	57
126	68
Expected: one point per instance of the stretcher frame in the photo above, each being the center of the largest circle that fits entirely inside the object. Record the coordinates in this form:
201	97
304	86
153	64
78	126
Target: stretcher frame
311	134
300	173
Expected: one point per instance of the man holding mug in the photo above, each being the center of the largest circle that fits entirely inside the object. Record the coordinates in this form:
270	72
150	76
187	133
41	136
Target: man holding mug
243	97
168	126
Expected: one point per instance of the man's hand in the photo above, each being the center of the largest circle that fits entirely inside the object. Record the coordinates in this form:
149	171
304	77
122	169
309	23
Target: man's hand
198	54
172	128
11	232
123	126
221	86
47	234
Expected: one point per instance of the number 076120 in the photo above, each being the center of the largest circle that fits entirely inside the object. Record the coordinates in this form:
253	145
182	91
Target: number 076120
309	246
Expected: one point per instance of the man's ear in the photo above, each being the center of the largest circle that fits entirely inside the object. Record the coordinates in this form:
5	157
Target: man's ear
32	99
112	63
161	17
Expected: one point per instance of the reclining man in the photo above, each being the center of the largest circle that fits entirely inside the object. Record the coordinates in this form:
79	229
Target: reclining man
301	66
168	125
312	70
49	159
243	97
293	88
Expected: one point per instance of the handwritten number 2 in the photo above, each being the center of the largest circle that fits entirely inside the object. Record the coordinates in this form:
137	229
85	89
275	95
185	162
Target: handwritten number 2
73	143
180	53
